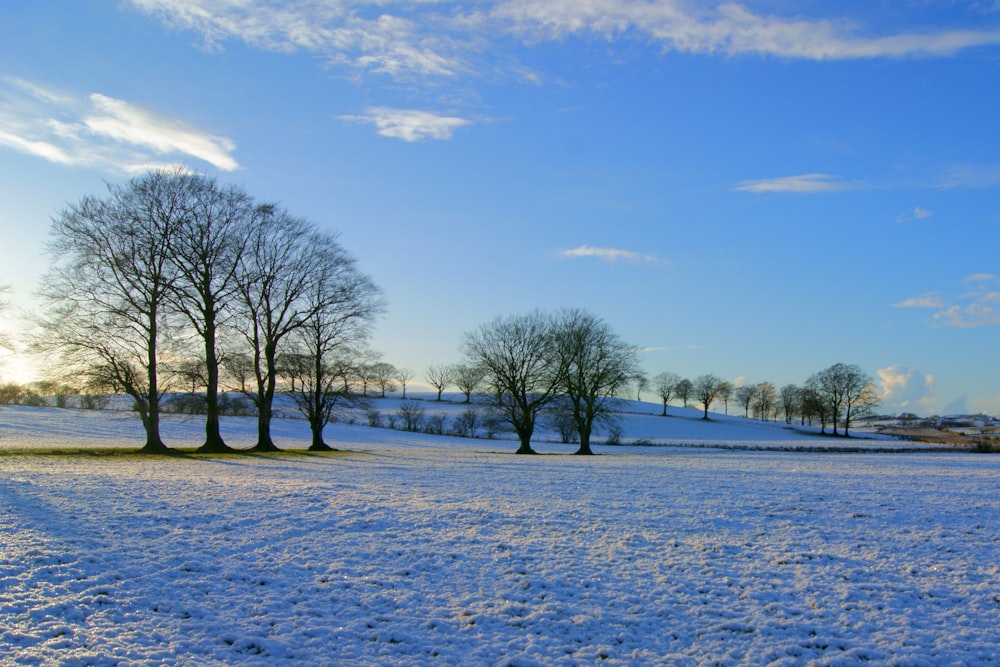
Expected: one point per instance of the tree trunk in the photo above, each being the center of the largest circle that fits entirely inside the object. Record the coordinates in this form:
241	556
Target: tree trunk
265	393
584	418
264	442
213	434
214	443
524	435
154	443
318	445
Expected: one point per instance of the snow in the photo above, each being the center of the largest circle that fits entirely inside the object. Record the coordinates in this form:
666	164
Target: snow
409	549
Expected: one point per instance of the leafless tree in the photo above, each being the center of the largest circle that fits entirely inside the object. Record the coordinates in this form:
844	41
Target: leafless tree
685	391
468	378
791	399
815	403
744	395
342	303
641	384
522	371
207	250
466	423
365	371
666	387
105	313
237	367
284	260
861	404
440	376
412	415
403	376
845	390
765	401
726	391
191	372
383	374
706	389
596	365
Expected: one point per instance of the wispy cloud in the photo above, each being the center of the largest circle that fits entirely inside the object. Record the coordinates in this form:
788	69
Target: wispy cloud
979	278
135	126
670	348
979	306
606	254
961	176
443	42
801	184
730	29
916	214
443	38
401	39
409	124
924	301
100	131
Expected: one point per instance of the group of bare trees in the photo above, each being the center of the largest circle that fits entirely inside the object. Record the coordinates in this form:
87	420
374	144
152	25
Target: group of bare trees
174	273
570	361
834	396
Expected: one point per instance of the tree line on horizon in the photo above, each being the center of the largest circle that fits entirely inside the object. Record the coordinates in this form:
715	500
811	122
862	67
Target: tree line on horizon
173	280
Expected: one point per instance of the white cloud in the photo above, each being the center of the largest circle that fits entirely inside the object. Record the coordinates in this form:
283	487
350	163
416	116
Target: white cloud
409	124
42	149
977	307
443	38
930	300
906	389
969	176
803	184
916	214
980	278
370	36
134	125
100	131
606	254
729	29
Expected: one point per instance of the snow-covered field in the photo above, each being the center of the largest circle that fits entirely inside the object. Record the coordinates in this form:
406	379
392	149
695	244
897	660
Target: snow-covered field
411	549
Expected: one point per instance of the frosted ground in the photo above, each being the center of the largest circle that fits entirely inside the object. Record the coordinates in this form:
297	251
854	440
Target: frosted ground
411	549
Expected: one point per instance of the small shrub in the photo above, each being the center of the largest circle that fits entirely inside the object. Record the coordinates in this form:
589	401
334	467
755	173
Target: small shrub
10	393
374	418
465	423
236	406
411	414
186	404
434	425
34	399
94	401
984	445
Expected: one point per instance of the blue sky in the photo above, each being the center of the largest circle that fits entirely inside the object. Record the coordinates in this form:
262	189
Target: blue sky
756	190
